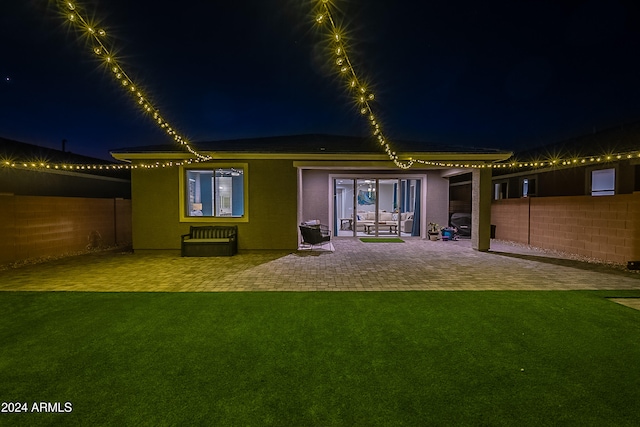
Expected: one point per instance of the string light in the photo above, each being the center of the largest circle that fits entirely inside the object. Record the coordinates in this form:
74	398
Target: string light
74	167
363	98
512	165
98	37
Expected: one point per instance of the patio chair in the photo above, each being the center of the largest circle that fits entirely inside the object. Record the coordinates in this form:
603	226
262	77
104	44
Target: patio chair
315	235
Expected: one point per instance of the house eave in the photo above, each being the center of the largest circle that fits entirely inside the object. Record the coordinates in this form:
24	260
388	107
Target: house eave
458	157
425	156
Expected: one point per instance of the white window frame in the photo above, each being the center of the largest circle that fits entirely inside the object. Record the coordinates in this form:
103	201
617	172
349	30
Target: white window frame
606	184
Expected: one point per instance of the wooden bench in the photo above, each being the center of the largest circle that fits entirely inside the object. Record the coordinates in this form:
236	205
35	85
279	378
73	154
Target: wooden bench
210	240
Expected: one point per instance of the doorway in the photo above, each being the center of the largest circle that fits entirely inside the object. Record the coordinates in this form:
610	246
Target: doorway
376	206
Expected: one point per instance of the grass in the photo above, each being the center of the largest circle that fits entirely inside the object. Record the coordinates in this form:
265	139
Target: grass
321	359
381	240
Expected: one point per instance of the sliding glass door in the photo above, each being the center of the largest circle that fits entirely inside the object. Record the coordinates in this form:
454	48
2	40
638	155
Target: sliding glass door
343	202
376	206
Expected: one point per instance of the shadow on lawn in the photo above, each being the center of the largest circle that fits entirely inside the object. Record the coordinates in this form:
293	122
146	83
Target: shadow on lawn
572	263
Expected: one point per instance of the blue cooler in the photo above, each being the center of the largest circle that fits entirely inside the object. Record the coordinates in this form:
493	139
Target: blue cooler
447	234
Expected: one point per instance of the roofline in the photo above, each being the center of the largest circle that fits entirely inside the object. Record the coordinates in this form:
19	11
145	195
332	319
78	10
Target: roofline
87	175
427	156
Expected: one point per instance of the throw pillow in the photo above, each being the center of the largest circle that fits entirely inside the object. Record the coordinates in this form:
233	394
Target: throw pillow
386	216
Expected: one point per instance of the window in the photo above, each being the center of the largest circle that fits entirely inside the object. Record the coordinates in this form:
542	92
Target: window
215	193
499	190
528	187
603	182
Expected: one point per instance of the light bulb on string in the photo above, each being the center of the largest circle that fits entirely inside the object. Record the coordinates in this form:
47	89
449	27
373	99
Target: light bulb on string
83	25
342	60
363	97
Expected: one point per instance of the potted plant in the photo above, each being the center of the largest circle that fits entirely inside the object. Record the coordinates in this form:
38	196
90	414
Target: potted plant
433	231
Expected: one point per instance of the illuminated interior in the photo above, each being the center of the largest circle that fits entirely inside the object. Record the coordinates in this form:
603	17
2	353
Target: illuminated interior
215	193
372	206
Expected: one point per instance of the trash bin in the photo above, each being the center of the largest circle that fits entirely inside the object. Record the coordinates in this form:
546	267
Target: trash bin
493	231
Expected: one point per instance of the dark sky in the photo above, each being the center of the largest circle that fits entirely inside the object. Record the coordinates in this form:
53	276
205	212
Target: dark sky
503	74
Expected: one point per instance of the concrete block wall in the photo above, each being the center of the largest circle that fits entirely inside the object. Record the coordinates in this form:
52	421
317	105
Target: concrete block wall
605	228
37	226
123	222
7	228
511	218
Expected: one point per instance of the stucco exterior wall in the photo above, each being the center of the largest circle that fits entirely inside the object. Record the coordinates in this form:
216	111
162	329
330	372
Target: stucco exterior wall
271	207
315	192
575	181
437	199
481	212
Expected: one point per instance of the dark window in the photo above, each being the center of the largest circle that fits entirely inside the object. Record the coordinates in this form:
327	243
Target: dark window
499	190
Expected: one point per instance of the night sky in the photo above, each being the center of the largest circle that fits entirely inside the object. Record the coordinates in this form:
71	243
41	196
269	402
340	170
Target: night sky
501	74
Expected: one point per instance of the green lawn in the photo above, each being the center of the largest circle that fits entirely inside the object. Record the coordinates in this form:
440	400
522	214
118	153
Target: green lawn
322	359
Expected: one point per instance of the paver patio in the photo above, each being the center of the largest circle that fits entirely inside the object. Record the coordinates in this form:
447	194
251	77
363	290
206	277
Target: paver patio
415	265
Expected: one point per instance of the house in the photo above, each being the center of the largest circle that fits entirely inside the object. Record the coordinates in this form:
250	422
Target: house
584	200
29	178
600	163
53	203
268	186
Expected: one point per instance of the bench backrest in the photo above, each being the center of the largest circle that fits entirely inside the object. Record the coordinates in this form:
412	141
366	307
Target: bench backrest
213	231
